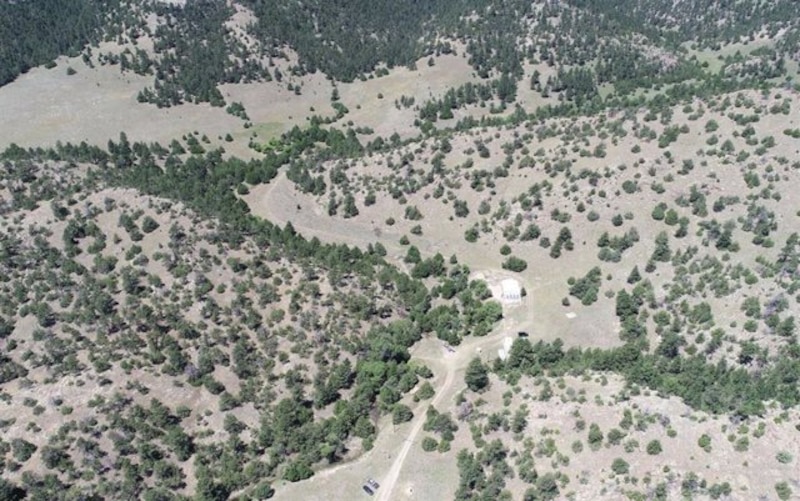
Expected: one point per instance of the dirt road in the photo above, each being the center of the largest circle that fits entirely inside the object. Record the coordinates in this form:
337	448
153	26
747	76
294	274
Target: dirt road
385	492
453	366
276	202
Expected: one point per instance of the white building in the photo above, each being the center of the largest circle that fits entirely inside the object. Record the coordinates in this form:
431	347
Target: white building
511	291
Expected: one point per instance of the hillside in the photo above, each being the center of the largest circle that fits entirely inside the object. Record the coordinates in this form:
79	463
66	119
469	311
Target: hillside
255	250
140	325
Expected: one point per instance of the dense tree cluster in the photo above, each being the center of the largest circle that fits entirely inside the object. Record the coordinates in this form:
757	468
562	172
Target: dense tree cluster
35	33
195	52
716	388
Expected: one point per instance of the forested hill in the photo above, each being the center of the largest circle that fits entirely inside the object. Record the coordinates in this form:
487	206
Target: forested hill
610	42
33	33
345	38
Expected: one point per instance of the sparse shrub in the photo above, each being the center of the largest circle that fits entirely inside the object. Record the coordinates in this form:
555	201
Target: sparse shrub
620	466
264	490
631	445
413	213
783	490
515	264
460	207
22	449
401	413
429	444
615	436
149	224
586	288
654	447
595	437
629	186
426	391
547	487
298	470
532	232
659	211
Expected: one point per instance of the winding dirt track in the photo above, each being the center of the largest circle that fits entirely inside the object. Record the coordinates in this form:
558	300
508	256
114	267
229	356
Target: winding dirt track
276	204
385	492
454	364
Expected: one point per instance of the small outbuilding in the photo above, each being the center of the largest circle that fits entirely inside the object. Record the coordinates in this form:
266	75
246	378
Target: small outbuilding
511	292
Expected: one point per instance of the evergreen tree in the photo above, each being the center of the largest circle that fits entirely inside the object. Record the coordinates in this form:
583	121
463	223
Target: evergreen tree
476	377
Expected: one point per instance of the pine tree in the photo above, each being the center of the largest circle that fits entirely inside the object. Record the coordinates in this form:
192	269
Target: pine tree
476	376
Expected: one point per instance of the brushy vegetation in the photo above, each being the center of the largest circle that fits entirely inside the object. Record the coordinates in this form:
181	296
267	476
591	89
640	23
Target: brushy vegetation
362	369
145	264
